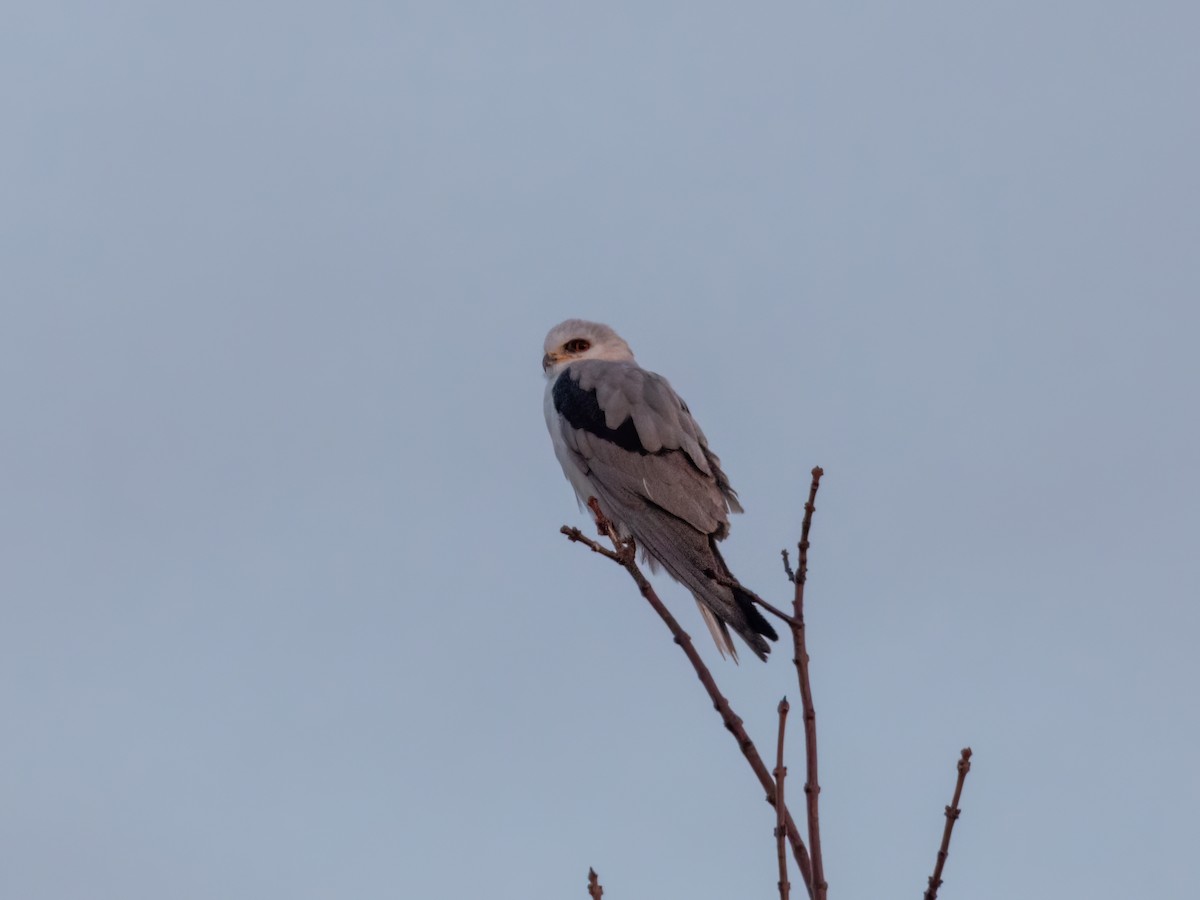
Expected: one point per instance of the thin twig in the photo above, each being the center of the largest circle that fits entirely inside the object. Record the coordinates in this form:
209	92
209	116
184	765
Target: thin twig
952	814
812	787
787	566
594	889
778	613
733	722
781	803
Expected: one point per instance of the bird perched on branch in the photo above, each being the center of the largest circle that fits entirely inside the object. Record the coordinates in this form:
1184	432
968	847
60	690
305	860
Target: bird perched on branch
623	436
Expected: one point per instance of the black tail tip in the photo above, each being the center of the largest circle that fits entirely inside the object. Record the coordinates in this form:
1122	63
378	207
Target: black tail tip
746	601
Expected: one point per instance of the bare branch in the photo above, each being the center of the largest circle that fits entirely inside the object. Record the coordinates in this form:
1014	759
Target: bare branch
812	788
781	803
952	814
812	869
733	722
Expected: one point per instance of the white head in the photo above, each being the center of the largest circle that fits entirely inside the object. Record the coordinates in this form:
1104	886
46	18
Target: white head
576	339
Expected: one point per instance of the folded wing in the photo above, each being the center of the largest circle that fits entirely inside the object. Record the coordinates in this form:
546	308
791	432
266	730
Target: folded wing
651	468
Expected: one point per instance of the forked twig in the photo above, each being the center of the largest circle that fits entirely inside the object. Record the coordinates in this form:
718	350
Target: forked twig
781	803
594	889
952	814
812	787
626	558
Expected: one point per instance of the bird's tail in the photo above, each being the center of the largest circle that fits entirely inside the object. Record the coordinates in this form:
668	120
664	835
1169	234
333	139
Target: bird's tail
691	558
748	603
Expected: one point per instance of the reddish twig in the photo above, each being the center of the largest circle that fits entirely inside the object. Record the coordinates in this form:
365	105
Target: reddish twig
778	613
812	788
594	889
733	723
952	814
781	803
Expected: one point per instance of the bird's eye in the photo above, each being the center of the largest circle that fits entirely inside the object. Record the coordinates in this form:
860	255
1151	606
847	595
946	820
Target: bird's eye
578	345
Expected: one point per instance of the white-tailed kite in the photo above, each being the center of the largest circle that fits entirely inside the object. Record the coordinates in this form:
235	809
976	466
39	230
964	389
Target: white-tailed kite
623	436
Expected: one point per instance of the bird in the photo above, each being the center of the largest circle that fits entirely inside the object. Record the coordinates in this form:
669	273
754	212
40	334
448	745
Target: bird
624	437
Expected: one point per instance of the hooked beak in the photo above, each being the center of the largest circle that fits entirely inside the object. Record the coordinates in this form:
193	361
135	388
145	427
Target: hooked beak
549	359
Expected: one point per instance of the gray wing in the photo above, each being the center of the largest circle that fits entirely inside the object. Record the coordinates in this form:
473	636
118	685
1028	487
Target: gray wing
635	433
654	475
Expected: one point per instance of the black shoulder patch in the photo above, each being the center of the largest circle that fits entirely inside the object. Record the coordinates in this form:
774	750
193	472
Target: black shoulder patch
582	410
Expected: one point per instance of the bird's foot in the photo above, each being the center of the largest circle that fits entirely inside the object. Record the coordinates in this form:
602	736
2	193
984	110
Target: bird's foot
603	524
625	547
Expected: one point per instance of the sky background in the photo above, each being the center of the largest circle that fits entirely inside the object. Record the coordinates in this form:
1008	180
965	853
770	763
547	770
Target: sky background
284	609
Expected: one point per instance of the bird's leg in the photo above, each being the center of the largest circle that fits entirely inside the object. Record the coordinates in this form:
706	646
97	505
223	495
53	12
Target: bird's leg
625	548
603	525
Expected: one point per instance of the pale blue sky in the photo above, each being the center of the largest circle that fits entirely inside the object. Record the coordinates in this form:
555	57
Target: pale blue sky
284	610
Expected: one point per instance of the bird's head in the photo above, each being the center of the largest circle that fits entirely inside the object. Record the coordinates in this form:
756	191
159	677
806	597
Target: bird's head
576	339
